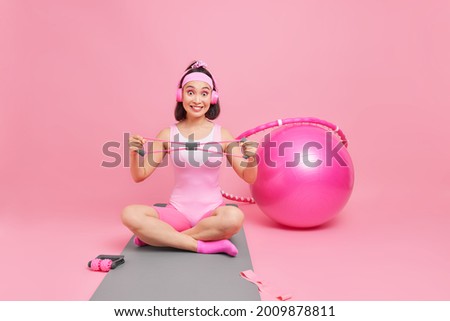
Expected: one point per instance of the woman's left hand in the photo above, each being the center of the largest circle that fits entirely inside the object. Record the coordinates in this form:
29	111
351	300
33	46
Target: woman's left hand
249	149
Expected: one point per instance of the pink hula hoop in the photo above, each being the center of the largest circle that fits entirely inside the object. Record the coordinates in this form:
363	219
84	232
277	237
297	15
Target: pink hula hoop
291	121
278	123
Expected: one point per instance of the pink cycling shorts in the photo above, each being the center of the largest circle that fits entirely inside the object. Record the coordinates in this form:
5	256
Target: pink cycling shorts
176	219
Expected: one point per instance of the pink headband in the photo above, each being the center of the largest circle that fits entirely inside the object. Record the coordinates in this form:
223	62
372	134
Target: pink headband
197	76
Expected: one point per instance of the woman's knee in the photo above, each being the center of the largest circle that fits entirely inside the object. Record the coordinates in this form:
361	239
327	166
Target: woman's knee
133	216
130	216
232	220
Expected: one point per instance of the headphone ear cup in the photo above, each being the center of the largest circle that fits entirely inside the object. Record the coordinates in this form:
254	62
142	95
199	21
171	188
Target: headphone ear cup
214	97
179	95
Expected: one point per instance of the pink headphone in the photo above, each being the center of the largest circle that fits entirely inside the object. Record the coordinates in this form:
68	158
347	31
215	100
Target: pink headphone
200	76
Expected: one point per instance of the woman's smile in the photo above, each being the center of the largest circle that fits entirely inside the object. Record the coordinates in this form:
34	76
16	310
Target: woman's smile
196	108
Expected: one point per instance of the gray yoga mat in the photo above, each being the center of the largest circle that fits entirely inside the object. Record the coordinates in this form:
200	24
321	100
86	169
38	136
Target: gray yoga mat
165	274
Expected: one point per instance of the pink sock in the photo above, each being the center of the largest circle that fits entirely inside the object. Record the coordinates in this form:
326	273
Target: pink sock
222	246
139	242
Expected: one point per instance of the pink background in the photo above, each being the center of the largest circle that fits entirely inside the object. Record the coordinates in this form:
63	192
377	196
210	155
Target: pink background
77	74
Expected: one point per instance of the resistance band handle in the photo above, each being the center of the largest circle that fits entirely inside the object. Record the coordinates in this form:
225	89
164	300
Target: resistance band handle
243	140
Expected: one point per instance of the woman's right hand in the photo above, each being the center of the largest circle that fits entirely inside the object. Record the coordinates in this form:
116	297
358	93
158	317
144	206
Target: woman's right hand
136	143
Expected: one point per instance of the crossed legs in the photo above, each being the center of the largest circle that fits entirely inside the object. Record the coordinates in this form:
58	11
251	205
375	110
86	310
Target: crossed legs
210	235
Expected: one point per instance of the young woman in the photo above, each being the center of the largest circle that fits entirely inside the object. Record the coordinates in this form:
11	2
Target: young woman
196	219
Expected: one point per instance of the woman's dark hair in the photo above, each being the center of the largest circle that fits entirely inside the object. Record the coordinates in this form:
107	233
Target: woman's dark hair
214	109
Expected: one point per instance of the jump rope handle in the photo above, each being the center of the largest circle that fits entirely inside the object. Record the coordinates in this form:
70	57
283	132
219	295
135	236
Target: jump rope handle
105	263
243	140
100	265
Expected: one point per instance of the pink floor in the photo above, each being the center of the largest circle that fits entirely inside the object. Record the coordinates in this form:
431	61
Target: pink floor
388	244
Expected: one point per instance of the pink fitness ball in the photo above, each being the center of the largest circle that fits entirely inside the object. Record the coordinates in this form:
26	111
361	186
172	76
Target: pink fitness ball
305	176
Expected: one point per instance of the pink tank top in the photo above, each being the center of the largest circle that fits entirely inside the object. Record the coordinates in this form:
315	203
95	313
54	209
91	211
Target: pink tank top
196	189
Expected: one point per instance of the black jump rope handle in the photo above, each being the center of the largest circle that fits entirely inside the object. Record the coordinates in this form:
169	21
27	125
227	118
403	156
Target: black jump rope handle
106	262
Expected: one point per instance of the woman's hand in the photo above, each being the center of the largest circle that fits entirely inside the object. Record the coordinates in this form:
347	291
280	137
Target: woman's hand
249	149
136	143
246	169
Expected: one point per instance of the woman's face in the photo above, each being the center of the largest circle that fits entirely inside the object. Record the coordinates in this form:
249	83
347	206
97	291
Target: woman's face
196	98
